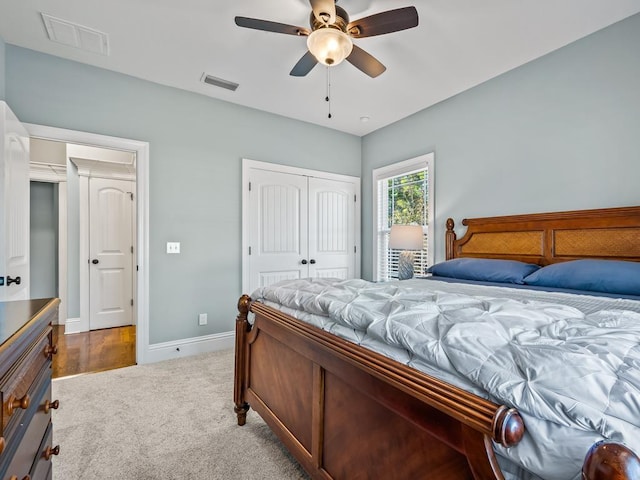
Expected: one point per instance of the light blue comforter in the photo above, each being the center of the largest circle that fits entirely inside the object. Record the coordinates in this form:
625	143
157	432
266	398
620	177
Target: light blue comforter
573	373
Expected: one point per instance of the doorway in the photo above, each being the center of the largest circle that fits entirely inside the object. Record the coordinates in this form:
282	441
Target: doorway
106	194
140	225
100	186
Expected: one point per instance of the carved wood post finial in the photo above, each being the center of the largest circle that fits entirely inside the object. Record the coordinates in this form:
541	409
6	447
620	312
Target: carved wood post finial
244	302
610	461
450	224
242	328
449	239
508	427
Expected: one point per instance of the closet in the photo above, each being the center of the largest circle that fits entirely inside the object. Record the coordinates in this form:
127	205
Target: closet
298	223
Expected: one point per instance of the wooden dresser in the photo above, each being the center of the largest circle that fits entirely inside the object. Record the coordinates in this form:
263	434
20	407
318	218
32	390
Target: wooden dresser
25	389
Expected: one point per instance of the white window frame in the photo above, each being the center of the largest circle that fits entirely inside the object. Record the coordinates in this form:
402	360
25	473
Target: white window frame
423	162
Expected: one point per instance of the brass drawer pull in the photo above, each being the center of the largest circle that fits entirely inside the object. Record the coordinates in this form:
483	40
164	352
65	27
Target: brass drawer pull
48	405
14	477
51	451
14	403
2	444
50	350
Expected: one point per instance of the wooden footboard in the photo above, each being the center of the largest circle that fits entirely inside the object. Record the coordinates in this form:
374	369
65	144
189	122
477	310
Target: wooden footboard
346	412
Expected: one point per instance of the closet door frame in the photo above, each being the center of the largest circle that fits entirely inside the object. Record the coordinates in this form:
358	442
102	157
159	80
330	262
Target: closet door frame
248	165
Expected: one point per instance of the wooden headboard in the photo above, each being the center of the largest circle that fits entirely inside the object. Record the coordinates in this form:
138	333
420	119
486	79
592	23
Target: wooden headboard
545	238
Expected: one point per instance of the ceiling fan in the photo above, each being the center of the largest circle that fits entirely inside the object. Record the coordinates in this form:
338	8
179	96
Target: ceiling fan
329	41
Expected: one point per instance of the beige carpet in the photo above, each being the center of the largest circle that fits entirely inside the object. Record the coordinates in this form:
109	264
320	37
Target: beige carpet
168	420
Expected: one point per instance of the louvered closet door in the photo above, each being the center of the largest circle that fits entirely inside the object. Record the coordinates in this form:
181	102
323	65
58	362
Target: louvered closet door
277	227
331	228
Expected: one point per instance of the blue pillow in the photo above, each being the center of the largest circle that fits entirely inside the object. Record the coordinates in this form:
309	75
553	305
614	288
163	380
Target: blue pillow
484	269
607	276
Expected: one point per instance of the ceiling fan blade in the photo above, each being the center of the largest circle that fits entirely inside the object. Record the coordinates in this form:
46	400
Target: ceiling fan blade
365	62
384	22
269	26
304	65
324	10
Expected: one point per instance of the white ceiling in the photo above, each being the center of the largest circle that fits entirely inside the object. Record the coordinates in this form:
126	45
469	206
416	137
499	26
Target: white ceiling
457	45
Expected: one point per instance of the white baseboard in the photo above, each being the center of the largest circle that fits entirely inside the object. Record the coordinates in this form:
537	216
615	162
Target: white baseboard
189	346
72	325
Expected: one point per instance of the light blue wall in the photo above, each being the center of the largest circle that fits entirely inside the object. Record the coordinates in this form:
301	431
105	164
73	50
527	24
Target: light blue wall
559	133
196	147
43	240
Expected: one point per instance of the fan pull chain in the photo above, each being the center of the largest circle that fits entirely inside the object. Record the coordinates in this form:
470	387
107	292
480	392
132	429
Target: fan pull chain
328	97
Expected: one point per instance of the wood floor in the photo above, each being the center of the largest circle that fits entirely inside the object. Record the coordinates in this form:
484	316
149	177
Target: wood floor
93	351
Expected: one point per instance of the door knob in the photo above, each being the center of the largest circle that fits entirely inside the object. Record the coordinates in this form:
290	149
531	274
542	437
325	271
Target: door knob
95	261
312	261
16	280
304	262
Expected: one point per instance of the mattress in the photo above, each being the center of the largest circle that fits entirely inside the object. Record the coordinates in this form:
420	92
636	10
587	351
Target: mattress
569	363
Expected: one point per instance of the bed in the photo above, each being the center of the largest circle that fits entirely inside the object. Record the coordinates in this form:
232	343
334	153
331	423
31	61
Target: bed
346	411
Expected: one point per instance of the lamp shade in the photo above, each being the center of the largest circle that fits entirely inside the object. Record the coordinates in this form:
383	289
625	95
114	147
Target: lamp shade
330	46
406	237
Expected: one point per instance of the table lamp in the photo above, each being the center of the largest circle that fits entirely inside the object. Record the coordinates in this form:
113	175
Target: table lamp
407	238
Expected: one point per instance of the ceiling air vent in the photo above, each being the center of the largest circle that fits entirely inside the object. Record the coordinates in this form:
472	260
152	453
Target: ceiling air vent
219	82
74	35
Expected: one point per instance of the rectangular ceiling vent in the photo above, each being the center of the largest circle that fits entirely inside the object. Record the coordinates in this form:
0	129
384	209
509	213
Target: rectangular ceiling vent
219	82
74	35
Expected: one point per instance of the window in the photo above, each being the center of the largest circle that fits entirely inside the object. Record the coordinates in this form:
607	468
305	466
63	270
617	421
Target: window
403	194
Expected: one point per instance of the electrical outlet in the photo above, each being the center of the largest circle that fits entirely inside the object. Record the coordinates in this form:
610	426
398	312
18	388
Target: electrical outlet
173	247
202	319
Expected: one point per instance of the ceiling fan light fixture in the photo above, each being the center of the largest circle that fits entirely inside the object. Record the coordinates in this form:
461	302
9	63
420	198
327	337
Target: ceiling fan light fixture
329	45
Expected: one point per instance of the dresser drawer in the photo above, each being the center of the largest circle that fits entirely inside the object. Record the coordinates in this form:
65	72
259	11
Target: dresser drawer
41	469
25	387
23	446
15	389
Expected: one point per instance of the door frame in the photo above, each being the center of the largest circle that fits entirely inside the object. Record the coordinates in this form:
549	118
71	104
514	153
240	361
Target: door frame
248	165
141	149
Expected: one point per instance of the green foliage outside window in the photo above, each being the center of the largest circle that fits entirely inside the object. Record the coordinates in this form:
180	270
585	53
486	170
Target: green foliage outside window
408	199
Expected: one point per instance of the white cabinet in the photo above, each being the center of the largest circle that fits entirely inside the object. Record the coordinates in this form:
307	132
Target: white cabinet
14	207
298	224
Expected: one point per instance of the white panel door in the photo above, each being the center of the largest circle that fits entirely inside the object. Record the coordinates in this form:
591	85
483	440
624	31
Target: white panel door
14	210
332	227
298	226
111	253
277	228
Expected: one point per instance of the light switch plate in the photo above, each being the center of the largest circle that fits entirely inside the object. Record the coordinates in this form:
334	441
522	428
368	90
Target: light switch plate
173	247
